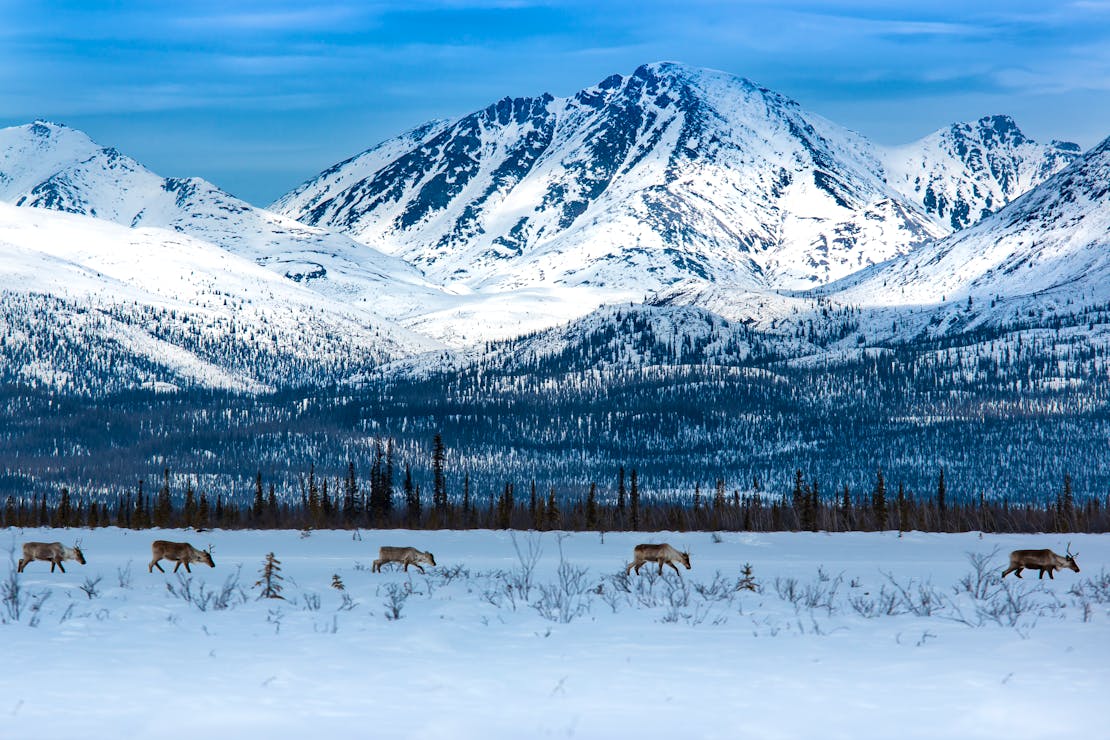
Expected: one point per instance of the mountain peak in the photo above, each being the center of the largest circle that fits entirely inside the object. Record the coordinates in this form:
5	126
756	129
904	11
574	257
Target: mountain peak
666	174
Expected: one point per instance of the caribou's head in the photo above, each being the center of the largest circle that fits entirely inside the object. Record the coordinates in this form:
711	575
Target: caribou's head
1069	559
431	558
206	557
77	554
685	555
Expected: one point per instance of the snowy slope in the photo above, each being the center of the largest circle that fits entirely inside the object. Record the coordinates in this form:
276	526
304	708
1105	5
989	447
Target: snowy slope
46	165
858	635
1045	254
89	305
642	181
967	171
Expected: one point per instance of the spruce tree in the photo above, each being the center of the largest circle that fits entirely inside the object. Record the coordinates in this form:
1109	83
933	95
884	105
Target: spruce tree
554	516
259	502
412	498
878	501
439	481
313	495
719	496
138	520
190	511
797	499
505	506
942	503
270	578
902	509
466	500
204	513
591	508
846	508
64	514
387	480
350	495
633	499
813	507
272	506
163	509
1067	506
620	497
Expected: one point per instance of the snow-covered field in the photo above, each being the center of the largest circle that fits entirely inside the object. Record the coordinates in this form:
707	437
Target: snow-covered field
847	635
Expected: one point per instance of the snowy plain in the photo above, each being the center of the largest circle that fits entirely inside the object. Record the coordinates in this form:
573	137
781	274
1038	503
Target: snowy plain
847	636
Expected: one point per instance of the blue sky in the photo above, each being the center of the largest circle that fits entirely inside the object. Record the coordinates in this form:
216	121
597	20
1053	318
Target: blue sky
259	96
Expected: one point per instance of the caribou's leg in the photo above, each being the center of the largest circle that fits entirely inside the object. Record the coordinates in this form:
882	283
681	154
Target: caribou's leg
376	567
187	568
418	565
22	564
1050	573
1019	570
1009	570
673	566
155	564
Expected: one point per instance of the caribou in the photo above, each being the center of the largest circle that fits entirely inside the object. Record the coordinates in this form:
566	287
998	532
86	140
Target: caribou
55	552
1042	560
182	552
663	554
405	555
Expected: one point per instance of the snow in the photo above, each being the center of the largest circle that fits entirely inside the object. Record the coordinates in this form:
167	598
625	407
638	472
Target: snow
461	661
678	173
111	270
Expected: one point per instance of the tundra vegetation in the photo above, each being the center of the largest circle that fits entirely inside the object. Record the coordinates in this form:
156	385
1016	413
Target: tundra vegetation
523	610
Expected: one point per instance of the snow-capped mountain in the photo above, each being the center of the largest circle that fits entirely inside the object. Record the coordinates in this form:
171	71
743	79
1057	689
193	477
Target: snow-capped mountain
46	165
89	306
967	171
1046	254
671	173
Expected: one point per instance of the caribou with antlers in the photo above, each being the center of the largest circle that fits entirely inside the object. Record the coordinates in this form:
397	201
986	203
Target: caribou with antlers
1042	560
55	552
663	554
182	552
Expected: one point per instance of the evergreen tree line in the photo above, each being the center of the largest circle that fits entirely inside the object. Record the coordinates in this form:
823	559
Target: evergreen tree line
382	502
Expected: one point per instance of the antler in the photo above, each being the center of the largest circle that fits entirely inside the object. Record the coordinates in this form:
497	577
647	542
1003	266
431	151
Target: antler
210	546
1068	553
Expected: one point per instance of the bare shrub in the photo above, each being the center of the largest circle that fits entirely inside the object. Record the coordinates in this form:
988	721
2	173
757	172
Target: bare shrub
787	589
917	598
18	601
521	577
567	598
396	594
123	576
982	578
883	604
90	586
230	594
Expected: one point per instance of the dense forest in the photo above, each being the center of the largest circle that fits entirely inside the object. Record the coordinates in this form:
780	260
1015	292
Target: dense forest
353	503
1007	415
